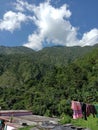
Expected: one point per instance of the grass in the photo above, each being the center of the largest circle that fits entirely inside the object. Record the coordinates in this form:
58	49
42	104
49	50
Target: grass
26	128
91	122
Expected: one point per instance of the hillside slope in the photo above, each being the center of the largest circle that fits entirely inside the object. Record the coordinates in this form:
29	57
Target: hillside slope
32	81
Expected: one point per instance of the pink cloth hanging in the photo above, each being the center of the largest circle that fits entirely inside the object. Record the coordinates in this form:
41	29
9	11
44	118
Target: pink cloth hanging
77	110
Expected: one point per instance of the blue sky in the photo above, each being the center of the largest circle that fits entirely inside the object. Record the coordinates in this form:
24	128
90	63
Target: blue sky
40	23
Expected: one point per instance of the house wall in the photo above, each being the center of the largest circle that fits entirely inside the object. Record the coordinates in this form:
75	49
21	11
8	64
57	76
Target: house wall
9	127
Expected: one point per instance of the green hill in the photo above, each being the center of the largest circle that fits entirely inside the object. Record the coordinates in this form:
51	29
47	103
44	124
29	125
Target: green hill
46	81
15	50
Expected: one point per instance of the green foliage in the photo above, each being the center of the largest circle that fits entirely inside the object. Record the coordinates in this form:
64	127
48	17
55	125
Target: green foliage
91	123
64	119
26	128
46	81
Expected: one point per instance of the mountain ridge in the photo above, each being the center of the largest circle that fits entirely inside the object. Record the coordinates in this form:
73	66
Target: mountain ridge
22	49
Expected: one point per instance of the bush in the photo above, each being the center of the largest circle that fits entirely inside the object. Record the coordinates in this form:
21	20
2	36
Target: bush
65	119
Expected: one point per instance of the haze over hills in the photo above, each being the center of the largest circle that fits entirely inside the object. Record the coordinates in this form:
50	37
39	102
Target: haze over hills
48	50
54	55
15	50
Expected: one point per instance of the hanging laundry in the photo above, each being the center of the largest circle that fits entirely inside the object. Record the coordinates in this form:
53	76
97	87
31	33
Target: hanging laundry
90	109
77	111
83	105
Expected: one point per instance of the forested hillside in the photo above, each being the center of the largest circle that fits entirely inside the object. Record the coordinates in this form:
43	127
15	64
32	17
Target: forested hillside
46	81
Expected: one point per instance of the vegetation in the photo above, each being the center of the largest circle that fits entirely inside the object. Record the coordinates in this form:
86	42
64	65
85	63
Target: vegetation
26	128
46	81
91	122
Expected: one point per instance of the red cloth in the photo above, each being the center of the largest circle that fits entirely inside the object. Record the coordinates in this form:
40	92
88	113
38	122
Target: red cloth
77	110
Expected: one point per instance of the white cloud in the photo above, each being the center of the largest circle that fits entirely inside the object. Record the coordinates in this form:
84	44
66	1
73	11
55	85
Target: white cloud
22	6
19	5
12	21
34	42
89	38
52	25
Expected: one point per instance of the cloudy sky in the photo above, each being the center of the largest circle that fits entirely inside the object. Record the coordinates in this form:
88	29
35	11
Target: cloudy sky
40	23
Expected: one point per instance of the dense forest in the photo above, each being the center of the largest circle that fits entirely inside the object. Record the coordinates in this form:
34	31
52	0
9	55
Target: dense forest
46	81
